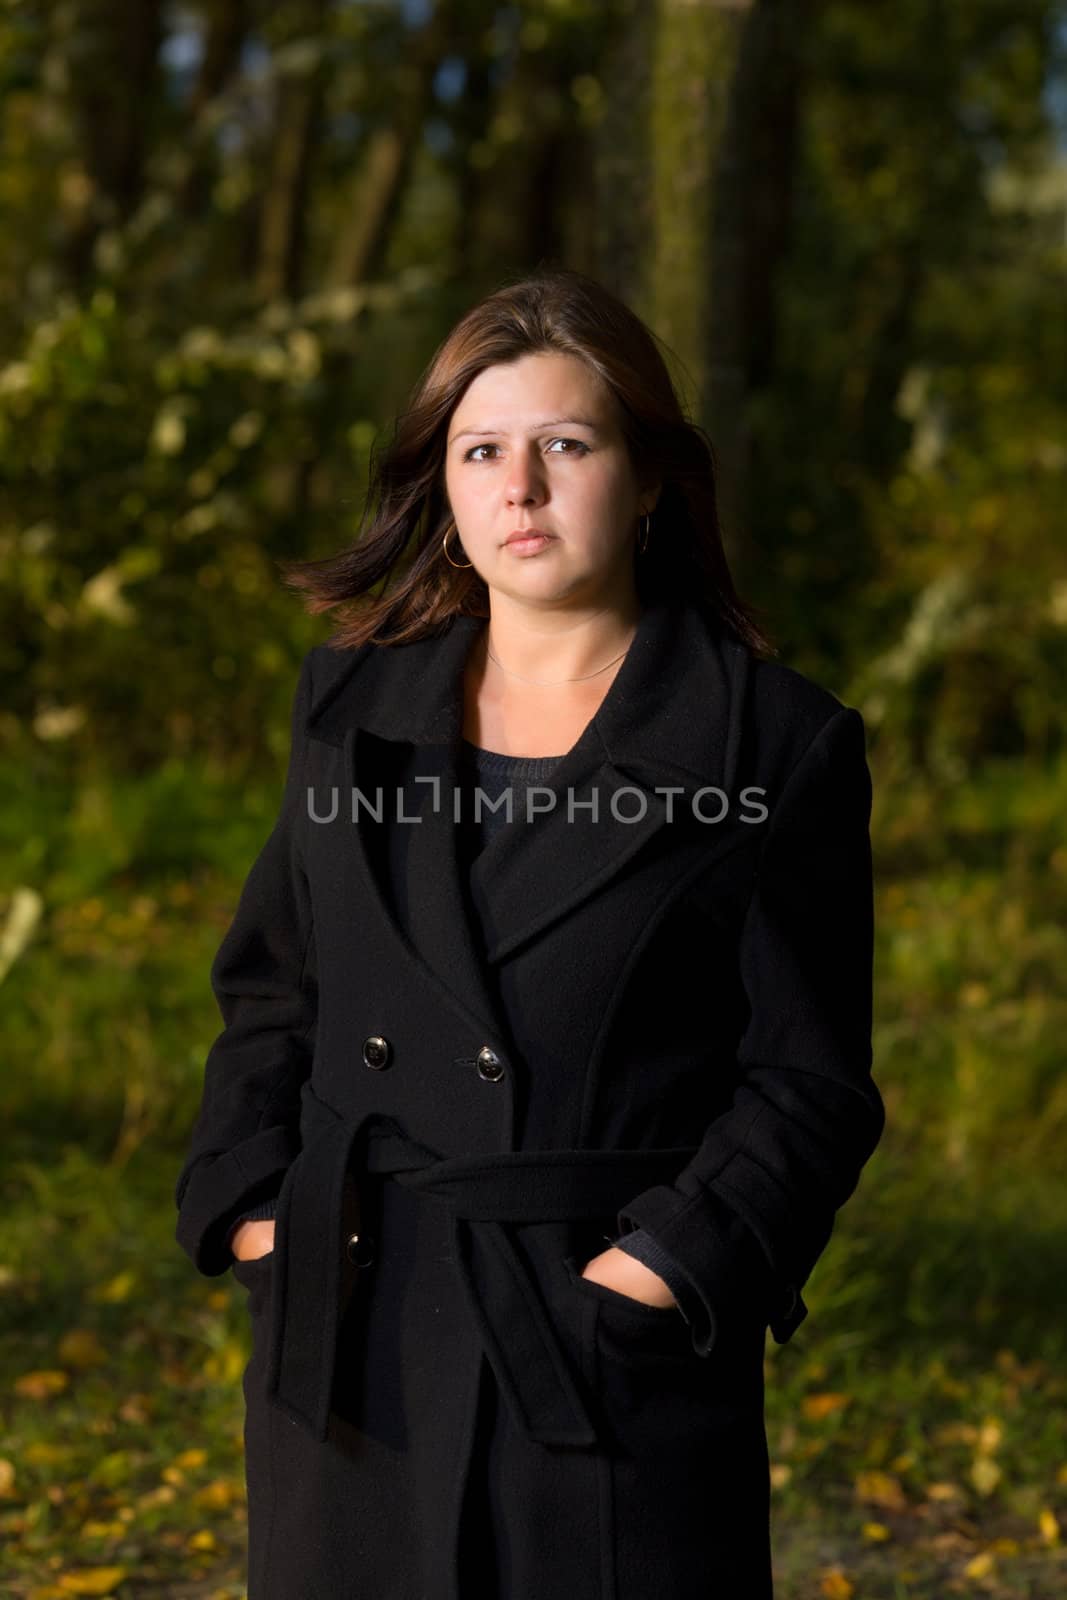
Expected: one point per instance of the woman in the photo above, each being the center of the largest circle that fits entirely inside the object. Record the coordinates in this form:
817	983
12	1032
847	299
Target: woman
519	1133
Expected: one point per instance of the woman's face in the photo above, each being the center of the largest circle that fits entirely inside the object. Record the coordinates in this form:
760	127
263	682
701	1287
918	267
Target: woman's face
537	443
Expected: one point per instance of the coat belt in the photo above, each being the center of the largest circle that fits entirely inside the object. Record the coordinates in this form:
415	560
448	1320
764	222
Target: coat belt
483	1194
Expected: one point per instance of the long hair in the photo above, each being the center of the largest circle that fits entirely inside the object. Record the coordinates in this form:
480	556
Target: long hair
395	584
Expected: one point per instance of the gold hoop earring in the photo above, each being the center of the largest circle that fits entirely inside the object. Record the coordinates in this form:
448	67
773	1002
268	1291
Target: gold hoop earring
642	544
444	547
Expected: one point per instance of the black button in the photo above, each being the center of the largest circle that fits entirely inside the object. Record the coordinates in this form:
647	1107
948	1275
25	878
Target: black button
490	1065
360	1249
377	1052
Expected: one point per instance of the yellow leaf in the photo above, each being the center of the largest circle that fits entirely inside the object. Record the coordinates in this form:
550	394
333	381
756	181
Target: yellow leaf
1049	1525
203	1540
943	1491
817	1406
981	1565
876	1531
92	1580
881	1489
989	1436
227	1363
41	1385
43	1453
103	1530
116	1289
216	1496
7	1476
163	1496
985	1474
781	1472
835	1586
81	1348
191	1458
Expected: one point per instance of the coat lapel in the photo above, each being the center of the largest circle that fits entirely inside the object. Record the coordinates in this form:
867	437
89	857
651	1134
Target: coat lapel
671	719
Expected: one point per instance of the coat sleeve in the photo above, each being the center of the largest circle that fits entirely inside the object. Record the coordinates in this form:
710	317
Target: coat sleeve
749	1215
264	979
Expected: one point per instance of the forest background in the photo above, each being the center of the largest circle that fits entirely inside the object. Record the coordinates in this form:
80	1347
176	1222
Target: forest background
233	234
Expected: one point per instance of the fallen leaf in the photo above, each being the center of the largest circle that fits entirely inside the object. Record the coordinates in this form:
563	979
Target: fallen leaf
81	1348
1049	1525
116	1289
817	1406
990	1435
216	1496
43	1452
881	1489
136	1408
92	1580
985	1474
41	1385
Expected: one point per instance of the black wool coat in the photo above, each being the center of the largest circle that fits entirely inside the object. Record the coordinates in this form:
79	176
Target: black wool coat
650	1006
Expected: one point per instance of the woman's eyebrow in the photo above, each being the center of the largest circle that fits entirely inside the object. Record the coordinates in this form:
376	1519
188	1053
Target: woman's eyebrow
551	422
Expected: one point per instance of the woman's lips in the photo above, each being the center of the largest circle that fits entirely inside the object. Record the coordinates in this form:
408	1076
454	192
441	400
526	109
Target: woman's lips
529	544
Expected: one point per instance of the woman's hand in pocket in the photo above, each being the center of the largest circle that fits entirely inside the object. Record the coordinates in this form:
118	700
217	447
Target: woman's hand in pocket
253	1238
626	1275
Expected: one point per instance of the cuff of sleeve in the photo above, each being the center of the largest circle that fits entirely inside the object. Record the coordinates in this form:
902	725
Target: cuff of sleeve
219	1186
263	1212
719	1255
643	1247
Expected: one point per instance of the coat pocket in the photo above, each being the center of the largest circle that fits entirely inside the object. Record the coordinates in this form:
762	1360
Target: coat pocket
628	1328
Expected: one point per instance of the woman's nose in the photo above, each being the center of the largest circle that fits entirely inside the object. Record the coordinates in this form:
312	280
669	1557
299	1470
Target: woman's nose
525	479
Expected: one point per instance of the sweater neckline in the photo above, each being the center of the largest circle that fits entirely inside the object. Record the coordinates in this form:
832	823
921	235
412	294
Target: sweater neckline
500	758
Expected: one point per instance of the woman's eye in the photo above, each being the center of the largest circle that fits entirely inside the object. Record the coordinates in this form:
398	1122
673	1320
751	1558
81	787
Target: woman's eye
582	448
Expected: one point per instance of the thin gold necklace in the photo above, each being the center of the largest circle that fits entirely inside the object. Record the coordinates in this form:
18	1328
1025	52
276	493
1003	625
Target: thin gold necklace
547	682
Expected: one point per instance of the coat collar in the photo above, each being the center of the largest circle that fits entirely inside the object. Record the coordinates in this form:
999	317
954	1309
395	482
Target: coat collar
672	717
671	705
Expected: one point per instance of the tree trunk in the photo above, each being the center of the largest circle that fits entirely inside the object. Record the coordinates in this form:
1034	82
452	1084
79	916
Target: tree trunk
112	57
297	124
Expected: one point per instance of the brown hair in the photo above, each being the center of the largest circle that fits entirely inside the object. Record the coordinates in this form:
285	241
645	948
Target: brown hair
395	583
